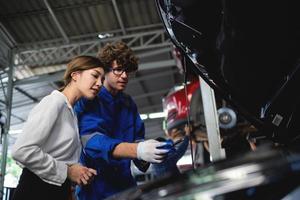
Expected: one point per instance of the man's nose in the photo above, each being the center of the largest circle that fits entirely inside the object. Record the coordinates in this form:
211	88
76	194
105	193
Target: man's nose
124	74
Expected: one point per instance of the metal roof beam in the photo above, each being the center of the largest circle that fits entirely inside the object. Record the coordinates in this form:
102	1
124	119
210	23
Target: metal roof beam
41	78
61	30
143	41
26	94
55	9
91	36
17	117
143	36
155	52
153	76
56	76
7	36
158	64
160	92
120	21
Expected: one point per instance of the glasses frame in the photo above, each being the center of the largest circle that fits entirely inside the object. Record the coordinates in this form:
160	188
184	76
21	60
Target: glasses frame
129	73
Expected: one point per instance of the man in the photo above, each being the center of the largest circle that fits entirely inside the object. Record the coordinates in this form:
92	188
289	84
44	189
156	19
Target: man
110	128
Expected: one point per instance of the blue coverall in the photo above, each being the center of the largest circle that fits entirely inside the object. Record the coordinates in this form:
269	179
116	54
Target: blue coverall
105	122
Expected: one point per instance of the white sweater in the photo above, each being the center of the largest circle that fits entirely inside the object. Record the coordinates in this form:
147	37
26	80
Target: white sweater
50	139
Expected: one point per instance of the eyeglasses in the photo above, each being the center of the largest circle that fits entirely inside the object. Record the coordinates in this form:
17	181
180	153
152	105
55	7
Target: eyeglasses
118	71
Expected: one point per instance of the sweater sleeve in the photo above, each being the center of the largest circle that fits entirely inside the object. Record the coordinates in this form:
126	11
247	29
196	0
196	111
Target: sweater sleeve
27	150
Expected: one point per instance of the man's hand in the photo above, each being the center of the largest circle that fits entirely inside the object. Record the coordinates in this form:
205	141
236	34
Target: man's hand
81	175
149	151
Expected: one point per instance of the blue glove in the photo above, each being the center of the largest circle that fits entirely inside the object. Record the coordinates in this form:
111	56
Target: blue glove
169	145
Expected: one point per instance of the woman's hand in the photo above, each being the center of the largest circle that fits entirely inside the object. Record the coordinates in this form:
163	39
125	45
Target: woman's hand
81	175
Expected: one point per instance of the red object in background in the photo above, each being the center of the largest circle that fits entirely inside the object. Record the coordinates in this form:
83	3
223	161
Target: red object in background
176	104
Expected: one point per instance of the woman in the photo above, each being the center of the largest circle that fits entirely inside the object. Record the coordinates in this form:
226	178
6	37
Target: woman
49	147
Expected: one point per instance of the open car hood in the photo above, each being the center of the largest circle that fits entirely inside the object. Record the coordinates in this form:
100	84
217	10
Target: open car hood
248	52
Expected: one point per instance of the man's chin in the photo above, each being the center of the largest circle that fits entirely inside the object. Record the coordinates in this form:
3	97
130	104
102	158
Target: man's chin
121	87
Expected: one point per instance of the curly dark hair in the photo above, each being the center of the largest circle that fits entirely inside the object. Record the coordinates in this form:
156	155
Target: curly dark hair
120	52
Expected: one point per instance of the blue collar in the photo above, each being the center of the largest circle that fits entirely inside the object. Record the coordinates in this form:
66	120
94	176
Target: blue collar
105	95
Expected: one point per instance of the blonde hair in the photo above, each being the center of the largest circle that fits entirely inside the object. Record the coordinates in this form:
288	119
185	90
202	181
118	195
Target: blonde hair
81	63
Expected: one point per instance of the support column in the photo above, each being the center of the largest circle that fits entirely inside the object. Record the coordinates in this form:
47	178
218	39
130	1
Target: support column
8	102
211	121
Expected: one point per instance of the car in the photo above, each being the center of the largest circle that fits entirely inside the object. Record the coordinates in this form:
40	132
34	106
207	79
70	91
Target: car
248	52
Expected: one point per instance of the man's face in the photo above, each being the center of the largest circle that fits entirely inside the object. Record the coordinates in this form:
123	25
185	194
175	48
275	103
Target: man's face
116	80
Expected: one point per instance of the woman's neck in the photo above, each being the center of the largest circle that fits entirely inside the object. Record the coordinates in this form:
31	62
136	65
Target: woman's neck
71	95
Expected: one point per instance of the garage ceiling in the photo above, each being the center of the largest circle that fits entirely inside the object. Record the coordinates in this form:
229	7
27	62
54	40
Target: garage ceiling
42	35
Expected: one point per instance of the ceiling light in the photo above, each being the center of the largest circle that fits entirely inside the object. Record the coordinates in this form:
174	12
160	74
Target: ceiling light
144	116
105	35
157	115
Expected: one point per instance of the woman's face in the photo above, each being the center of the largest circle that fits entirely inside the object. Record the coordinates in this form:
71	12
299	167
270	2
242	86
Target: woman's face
89	82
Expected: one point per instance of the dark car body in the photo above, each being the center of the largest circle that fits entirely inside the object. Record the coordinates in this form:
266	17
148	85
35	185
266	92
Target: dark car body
248	51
